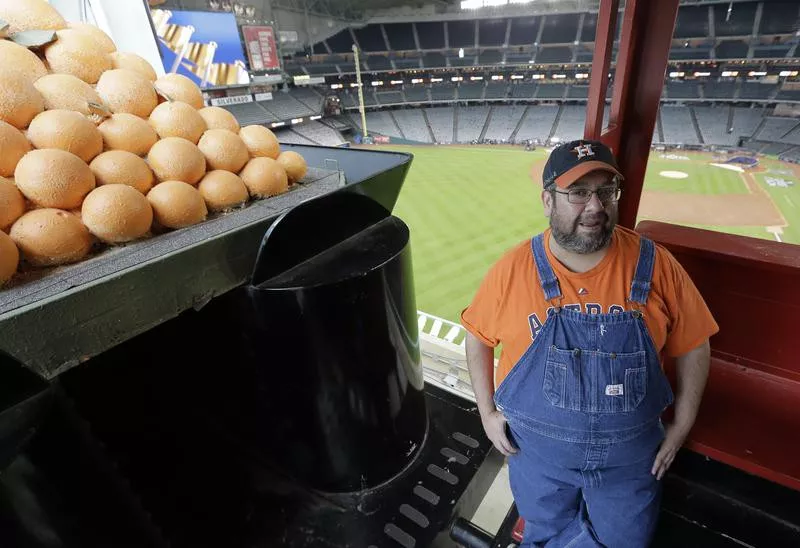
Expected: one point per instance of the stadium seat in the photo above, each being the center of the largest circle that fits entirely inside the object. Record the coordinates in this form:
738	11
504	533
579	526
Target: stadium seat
389	97
407	63
490	57
682	90
523	90
739	22
551	91
678	126
492	32
441	120
560	28
413	125
589	28
470	123
789	95
434	60
524	31
732	49
779	17
775	128
370	38
538	123
417	94
571	123
341	42
778	51
443	93
319	133
401	36
503	121
692	22
431	35
470	91
578	92
554	54
379	62
755	90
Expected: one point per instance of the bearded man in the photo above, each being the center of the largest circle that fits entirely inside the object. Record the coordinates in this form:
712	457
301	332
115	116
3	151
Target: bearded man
584	313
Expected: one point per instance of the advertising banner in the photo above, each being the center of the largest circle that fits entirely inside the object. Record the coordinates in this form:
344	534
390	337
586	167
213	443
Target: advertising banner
233	100
261	49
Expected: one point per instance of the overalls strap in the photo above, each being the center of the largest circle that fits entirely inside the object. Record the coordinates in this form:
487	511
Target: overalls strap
642	279
547	277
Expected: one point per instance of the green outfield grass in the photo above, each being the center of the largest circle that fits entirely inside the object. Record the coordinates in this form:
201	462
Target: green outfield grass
702	178
467	205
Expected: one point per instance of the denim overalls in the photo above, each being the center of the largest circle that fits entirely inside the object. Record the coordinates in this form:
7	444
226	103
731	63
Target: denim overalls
583	406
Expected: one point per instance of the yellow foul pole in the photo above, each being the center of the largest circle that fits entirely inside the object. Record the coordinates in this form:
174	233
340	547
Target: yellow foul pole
360	91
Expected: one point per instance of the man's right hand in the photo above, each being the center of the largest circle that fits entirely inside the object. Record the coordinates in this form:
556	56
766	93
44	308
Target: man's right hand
495	426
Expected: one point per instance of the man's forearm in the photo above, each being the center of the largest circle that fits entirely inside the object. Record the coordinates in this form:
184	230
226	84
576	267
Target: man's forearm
692	372
480	361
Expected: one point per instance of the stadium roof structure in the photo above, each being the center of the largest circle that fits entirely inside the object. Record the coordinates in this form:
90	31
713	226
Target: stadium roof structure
363	10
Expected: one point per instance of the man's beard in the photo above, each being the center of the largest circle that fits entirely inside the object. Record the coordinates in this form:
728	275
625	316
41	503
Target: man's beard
570	239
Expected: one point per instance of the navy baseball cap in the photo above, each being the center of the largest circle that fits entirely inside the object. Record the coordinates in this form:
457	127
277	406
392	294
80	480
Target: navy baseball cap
568	162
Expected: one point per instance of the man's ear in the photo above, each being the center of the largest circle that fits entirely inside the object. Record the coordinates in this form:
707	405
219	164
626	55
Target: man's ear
547	201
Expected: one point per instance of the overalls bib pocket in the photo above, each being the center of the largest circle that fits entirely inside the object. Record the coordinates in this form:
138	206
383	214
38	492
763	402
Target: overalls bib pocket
593	381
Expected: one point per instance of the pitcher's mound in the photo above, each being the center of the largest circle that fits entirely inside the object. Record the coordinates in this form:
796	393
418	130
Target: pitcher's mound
674	174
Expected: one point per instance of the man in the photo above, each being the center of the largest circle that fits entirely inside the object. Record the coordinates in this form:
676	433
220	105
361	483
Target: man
583	313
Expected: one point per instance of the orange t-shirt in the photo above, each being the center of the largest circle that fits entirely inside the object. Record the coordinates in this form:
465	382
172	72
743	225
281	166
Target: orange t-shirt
509	307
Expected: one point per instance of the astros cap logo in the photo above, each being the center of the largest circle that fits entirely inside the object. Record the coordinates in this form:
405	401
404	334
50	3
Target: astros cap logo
583	150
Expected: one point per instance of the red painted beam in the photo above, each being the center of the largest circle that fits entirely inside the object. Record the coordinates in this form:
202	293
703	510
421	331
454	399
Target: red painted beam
601	64
641	63
751	405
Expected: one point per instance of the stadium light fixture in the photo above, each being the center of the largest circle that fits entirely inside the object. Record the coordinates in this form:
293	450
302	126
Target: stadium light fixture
456	79
497	76
397	82
559	76
756	73
460	53
336	86
730	73
676	74
434	80
353	84
376	83
296	120
788	73
315	117
702	74
538	77
473	78
517	76
581	75
278	124
417	80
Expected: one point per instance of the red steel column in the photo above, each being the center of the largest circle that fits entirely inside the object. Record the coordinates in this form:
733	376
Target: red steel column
601	63
641	63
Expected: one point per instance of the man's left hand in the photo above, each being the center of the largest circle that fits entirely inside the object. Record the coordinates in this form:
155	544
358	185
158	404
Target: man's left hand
673	441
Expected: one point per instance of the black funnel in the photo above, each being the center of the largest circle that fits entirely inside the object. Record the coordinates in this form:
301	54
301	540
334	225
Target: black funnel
24	398
340	382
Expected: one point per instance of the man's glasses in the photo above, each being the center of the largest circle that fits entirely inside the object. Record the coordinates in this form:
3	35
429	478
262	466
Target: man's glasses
606	194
